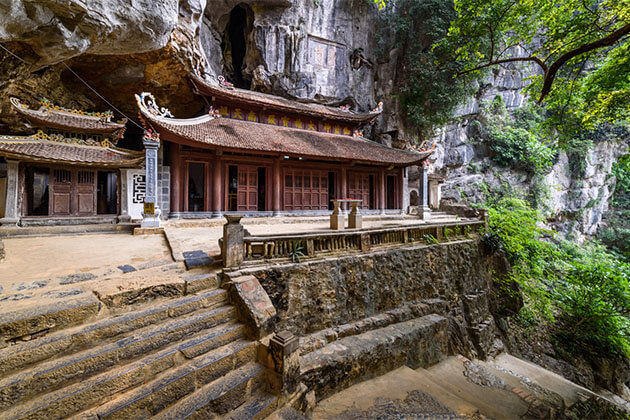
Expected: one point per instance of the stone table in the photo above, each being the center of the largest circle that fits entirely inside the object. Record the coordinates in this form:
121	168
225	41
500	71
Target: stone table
337	220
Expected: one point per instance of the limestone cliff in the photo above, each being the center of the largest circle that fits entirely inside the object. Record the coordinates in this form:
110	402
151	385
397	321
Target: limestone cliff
309	50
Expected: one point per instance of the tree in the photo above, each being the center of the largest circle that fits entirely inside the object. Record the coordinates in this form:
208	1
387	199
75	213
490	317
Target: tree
579	47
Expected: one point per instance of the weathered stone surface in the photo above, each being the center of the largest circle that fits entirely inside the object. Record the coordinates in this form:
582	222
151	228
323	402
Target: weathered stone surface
321	294
114	27
419	342
31	320
2	251
254	305
232	249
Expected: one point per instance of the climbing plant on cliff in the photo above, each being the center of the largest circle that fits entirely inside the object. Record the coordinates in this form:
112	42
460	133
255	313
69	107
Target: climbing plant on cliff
579	48
427	88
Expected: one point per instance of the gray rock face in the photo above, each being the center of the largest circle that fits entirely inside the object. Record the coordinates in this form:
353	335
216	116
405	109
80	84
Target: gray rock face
57	31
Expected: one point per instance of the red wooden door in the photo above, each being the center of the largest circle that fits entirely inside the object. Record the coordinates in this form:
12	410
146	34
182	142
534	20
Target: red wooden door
247	191
86	189
305	190
61	203
359	188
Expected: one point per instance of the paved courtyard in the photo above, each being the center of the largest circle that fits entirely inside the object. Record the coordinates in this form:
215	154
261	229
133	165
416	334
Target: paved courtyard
41	270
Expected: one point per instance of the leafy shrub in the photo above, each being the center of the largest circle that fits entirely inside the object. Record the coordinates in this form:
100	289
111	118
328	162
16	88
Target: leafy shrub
583	291
594	302
515	140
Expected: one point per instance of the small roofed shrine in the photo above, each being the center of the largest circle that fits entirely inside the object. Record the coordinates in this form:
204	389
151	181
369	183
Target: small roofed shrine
264	155
70	168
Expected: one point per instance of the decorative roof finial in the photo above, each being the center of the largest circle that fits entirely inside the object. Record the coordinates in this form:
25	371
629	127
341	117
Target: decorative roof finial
147	102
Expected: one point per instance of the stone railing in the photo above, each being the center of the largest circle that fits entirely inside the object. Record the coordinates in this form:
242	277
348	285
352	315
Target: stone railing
316	244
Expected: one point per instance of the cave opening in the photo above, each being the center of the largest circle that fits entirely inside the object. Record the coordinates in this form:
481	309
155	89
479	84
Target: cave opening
234	46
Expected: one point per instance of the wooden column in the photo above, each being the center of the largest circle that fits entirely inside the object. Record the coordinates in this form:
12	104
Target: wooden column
382	186
277	188
217	187
177	178
344	187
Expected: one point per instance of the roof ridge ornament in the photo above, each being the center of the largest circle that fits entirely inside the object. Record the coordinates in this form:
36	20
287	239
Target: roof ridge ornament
224	83
146	102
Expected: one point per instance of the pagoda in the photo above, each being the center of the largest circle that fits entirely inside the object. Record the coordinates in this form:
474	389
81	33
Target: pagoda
69	170
263	155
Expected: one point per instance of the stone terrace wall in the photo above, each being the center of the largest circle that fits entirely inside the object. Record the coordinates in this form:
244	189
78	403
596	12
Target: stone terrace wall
317	295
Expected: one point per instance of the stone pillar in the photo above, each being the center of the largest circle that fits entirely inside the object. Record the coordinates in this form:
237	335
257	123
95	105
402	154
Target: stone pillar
285	361
337	219
381	192
344	189
277	187
232	249
405	190
151	146
177	178
11	211
124	216
435	193
423	191
217	188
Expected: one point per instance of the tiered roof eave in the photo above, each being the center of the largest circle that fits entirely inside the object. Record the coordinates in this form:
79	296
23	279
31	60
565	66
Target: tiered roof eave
212	132
70	120
278	103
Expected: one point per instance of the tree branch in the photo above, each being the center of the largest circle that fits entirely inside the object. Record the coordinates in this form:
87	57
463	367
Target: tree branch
550	74
506	60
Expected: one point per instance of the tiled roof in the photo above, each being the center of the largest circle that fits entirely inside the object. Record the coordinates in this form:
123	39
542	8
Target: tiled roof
69	121
277	103
33	149
238	135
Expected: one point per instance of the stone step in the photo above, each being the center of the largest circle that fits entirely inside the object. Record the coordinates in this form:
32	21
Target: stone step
528	372
218	397
63	342
166	389
97	389
491	398
257	407
52	374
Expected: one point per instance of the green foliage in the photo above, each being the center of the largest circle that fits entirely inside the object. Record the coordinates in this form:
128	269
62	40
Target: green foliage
427	88
430	239
515	139
296	253
594	302
582	82
582	291
617	233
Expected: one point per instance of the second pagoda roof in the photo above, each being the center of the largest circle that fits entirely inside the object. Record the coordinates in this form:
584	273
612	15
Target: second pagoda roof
278	103
51	116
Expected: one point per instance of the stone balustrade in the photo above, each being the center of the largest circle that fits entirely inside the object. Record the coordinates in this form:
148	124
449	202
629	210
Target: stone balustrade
318	244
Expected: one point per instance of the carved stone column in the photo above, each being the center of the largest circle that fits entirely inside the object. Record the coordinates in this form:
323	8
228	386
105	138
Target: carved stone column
151	146
124	216
232	249
11	211
423	209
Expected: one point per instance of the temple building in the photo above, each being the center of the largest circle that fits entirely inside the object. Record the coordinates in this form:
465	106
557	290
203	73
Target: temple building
264	155
69	171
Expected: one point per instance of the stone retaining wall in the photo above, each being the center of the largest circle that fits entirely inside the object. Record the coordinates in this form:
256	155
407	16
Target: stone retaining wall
316	295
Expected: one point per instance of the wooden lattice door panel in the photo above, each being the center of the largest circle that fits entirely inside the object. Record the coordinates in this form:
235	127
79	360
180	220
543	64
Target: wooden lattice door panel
359	188
61	203
247	191
86	193
305	190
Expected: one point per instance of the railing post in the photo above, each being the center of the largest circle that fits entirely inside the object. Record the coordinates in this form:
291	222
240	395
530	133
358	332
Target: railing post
285	361
365	242
232	248
310	247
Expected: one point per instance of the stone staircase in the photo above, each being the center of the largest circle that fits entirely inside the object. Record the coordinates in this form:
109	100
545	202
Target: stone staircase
184	357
